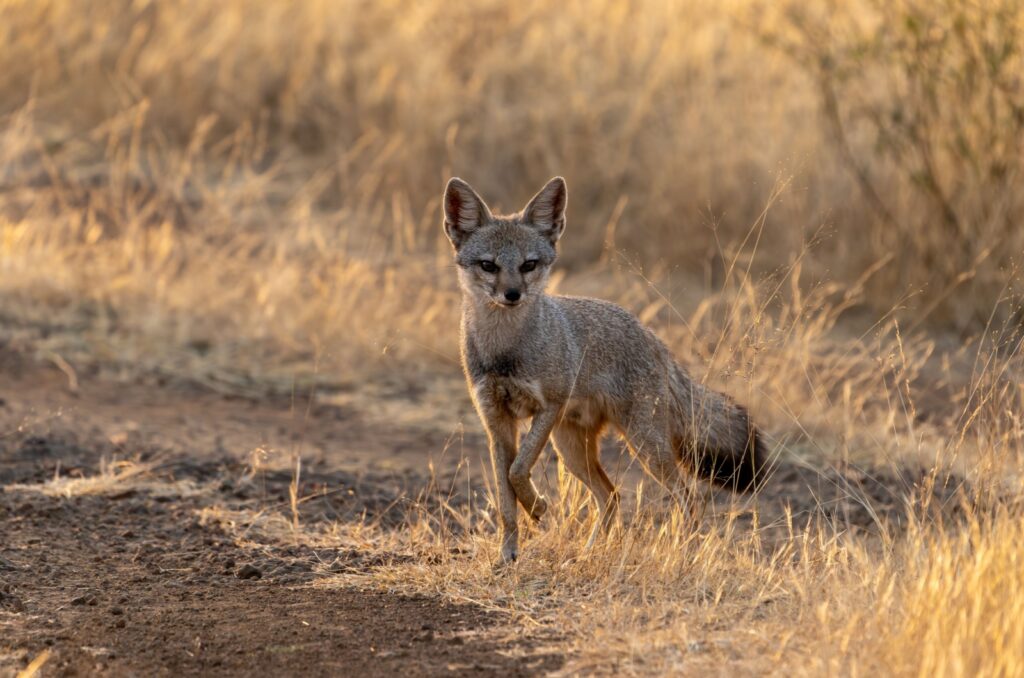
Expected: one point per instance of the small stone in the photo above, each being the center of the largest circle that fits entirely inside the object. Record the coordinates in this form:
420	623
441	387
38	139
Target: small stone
249	571
117	610
12	602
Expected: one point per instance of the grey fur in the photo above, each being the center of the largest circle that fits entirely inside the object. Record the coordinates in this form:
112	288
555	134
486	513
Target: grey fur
574	366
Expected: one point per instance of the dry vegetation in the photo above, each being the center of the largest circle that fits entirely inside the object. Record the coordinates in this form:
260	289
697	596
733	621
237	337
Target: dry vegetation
817	204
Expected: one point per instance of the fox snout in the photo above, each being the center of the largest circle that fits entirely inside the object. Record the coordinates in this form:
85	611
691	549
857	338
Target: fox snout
509	288
512	296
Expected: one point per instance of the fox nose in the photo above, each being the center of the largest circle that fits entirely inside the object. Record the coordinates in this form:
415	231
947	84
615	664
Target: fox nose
512	295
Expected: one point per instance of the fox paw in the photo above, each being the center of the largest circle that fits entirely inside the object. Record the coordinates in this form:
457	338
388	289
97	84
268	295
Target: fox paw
509	555
539	508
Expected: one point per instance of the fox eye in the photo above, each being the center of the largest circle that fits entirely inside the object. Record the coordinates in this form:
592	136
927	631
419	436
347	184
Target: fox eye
488	266
528	265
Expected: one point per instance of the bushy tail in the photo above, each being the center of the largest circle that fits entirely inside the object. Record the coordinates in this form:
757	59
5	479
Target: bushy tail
715	437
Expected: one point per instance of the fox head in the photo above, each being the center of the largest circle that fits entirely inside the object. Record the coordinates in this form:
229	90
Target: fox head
504	261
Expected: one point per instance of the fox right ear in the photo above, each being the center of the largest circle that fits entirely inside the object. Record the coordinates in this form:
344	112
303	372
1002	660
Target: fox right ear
464	211
546	210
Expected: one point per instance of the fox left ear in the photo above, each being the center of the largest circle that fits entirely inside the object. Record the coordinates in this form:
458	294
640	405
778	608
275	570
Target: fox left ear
546	210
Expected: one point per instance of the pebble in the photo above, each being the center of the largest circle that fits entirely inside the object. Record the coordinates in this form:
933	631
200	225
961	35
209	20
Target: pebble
249	571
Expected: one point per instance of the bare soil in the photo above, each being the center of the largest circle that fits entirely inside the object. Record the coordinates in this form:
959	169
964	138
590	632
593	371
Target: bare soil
136	586
136	582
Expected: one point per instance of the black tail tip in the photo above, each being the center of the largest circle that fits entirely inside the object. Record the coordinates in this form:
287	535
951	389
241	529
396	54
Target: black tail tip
744	472
750	471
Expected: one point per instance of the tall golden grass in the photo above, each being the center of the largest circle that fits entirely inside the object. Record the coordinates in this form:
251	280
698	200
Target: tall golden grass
174	137
663	598
815	204
744	588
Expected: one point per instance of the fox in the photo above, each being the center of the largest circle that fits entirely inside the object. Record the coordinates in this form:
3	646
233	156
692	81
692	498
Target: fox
575	367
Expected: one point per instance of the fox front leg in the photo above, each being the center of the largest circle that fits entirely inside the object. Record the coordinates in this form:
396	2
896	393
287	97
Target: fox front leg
501	430
529	451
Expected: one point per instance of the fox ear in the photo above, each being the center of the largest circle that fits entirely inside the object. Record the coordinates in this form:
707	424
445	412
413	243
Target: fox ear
546	210
464	211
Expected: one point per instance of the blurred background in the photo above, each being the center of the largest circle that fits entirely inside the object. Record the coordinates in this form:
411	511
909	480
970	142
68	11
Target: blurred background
247	193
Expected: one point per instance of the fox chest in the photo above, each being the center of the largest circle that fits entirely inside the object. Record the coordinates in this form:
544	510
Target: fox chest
499	385
520	398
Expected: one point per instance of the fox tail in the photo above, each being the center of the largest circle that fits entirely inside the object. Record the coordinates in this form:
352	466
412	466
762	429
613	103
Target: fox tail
715	437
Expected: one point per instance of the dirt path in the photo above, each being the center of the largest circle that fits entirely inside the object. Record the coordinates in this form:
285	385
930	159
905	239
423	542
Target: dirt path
138	582
133	585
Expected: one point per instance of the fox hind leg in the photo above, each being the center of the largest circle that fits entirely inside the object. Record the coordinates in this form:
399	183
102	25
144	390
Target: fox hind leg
579	450
652	446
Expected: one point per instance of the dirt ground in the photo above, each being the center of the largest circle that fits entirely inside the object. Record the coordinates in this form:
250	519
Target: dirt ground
145	579
136	582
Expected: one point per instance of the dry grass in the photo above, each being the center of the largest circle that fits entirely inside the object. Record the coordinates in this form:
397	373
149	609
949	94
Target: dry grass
663	598
752	588
246	195
115	477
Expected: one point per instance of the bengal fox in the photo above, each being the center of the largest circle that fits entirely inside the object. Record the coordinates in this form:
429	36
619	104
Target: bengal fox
574	366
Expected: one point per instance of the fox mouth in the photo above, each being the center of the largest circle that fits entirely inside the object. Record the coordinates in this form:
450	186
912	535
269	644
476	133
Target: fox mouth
508	304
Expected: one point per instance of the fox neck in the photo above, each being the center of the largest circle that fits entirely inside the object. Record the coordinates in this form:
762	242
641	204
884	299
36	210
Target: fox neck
496	329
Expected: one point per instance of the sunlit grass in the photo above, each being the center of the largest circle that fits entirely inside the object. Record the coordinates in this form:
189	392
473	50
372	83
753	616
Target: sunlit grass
114	477
934	588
